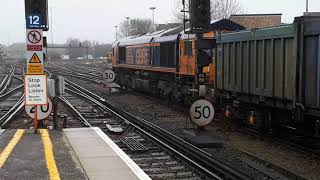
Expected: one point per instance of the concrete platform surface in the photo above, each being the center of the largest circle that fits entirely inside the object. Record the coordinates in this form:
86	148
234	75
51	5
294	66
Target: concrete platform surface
46	155
100	157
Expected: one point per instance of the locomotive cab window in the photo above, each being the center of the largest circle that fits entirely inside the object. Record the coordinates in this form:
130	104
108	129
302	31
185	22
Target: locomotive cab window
122	54
188	48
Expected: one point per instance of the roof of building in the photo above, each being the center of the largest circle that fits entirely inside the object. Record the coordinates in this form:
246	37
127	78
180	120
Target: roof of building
275	14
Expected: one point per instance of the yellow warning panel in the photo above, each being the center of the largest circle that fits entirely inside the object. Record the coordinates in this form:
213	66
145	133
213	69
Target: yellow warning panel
35	69
35	59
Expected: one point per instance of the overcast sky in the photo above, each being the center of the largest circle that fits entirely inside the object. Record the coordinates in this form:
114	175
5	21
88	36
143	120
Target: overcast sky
95	19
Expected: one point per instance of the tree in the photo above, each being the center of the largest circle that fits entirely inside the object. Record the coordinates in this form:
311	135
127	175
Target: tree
134	27
1	52
101	50
74	52
220	9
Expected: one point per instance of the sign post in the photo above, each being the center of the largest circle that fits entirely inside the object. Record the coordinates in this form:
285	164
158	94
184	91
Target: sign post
35	118
36	94
108	76
35	82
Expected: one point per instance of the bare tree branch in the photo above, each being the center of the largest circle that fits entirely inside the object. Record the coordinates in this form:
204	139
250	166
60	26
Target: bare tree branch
220	9
134	27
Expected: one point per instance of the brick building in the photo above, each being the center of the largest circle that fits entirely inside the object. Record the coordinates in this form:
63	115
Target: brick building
250	21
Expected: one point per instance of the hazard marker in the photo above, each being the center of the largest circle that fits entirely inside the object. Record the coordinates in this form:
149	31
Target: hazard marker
35	59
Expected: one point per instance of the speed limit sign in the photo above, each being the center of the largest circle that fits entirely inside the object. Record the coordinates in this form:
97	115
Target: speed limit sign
42	111
201	112
109	76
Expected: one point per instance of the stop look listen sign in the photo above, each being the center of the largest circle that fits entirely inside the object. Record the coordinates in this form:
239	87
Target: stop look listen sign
36	89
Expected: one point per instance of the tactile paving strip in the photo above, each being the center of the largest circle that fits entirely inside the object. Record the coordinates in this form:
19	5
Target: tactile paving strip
133	144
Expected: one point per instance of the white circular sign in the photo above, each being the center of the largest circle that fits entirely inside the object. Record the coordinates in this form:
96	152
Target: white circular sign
42	111
201	112
109	76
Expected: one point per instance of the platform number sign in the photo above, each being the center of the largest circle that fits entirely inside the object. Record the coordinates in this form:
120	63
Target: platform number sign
109	76
42	111
201	112
34	21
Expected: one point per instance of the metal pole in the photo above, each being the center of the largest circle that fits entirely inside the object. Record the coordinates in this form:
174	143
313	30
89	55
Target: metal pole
51	26
116	32
153	25
35	119
128	26
55	102
307	6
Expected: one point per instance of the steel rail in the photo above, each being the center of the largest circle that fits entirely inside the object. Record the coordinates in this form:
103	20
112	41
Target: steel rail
7	80
195	164
12	112
64	100
199	158
3	96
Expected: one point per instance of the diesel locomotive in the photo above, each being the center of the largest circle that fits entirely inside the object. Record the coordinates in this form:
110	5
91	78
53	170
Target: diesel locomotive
169	63
165	63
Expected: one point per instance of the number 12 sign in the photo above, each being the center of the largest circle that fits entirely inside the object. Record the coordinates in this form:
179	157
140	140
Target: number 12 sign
34	21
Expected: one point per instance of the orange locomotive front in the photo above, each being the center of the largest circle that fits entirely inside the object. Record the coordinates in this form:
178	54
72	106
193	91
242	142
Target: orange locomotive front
164	63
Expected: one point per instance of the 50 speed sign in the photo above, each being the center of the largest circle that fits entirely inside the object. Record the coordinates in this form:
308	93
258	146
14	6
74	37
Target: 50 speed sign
201	112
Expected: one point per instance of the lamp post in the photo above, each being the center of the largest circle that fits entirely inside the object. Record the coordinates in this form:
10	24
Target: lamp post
128	26
116	32
152	9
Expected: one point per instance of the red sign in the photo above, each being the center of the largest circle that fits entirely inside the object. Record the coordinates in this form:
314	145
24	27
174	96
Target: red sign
34	47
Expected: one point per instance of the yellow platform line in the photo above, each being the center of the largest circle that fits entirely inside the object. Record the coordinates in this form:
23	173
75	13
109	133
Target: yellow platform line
48	151
9	148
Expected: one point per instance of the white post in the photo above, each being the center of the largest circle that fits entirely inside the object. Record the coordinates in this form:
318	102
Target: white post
153	25
116	32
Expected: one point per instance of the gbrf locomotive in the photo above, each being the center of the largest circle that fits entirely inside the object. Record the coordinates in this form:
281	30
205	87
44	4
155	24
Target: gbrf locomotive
165	63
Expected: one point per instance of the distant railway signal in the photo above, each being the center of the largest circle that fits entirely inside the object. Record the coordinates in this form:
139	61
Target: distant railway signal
37	14
200	15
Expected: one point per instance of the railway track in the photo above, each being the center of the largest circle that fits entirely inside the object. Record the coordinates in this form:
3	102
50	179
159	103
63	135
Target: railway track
148	144
255	166
79	72
5	84
11	98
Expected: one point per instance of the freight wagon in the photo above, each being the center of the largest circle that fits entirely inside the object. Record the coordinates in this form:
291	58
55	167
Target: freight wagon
271	76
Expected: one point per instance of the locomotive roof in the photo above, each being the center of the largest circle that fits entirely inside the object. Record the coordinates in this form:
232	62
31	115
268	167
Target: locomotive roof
157	36
171	35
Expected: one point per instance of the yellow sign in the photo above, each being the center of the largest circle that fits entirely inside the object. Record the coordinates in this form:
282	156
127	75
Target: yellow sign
35	63
35	69
35	59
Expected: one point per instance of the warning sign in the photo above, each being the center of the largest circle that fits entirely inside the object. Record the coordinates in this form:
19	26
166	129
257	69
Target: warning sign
34	39
35	90
35	59
35	62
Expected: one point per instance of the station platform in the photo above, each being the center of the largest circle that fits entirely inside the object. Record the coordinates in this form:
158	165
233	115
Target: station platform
84	153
